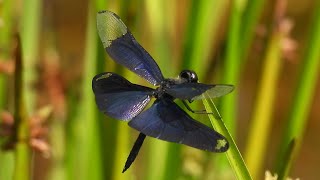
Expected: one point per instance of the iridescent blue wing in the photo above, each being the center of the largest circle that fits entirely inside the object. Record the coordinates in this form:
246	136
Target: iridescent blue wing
195	91
124	49
167	121
118	98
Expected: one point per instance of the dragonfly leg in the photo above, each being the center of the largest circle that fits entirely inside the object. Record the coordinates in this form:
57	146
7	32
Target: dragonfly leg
195	111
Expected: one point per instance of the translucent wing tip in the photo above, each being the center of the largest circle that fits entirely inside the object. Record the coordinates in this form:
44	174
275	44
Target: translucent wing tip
228	88
216	91
110	27
231	87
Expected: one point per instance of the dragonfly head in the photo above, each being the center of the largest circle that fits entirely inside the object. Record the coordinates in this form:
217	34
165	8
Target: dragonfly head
189	76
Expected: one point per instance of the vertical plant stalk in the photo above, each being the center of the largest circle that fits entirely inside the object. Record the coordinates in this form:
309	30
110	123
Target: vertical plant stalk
262	114
232	63
6	16
21	122
304	92
5	44
231	73
122	151
261	120
249	22
23	91
204	19
235	159
87	160
30	29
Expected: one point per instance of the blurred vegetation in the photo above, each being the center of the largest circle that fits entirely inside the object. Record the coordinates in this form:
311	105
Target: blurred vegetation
50	127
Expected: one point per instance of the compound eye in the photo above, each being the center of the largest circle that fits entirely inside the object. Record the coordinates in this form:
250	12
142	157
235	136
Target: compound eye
189	75
185	74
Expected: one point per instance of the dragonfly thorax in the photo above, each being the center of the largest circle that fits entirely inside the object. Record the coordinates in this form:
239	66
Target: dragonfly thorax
186	76
160	92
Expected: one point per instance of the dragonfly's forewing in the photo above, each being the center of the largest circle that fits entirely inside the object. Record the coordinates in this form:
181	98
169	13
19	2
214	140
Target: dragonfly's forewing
195	91
216	91
124	49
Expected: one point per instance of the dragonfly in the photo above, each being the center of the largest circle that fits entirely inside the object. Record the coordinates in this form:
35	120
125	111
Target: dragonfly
120	99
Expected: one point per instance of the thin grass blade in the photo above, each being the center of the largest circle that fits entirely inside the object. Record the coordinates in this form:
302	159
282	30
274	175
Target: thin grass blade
235	159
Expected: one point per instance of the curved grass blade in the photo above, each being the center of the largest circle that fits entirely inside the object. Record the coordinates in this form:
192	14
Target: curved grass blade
235	159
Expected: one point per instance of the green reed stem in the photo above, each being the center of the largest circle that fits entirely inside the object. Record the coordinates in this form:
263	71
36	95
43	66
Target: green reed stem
6	15
261	120
204	20
232	63
30	29
25	76
250	19
5	44
231	72
87	157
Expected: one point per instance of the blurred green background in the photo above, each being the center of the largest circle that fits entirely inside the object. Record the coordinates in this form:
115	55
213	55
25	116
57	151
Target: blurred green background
51	129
